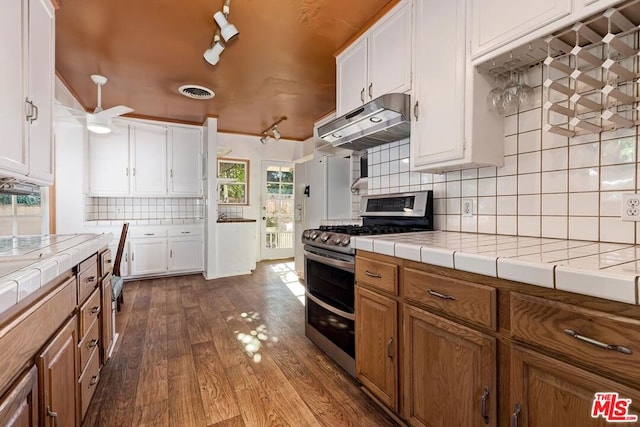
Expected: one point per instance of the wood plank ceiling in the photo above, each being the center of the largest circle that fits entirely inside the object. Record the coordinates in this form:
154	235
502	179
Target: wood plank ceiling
281	63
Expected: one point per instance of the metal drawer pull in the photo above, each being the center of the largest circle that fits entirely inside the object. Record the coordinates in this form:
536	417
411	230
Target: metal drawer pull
94	380
483	405
91	279
362	95
185	232
415	110
517	409
390	348
441	295
370	90
597	343
53	415
149	234
374	275
108	261
93	343
95	310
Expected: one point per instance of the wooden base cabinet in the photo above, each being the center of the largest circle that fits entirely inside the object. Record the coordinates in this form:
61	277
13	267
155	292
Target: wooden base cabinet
377	345
449	372
547	392
19	408
57	367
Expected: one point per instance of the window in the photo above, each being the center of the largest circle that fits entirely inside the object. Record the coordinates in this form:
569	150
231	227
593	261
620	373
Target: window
23	215
233	182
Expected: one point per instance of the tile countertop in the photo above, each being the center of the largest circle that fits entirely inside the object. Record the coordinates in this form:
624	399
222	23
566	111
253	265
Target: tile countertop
27	263
603	270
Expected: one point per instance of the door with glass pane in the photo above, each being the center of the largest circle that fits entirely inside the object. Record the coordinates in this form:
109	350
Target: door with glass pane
277	210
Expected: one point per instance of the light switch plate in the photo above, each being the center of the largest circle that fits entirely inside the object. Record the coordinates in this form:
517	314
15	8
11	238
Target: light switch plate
467	207
630	207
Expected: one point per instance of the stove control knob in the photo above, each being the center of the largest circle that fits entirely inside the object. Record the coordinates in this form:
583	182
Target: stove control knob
345	241
324	237
314	235
306	234
336	239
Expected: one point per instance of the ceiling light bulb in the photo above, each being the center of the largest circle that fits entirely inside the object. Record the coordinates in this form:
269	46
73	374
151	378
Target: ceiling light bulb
276	133
96	124
264	138
227	30
212	55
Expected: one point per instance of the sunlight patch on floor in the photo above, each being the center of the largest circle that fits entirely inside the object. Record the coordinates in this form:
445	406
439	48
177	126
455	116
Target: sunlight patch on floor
287	273
256	338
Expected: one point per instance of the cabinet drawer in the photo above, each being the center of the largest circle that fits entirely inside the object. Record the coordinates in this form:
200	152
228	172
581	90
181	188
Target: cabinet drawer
88	381
87	281
377	274
467	301
147	232
89	312
88	344
607	342
186	230
87	263
106	262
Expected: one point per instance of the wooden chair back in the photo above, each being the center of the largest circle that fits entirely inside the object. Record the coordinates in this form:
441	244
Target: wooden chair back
120	251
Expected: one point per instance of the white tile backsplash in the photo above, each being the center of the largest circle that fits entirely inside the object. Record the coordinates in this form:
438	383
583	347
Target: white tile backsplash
132	208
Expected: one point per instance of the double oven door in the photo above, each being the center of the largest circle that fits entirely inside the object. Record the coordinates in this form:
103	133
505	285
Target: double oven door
330	318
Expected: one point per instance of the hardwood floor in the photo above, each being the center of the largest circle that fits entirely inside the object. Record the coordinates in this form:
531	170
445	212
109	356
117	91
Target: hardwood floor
227	352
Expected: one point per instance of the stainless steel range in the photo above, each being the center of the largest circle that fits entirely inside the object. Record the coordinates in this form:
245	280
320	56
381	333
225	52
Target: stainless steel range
330	267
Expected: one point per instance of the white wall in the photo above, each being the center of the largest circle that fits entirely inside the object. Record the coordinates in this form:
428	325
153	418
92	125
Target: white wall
210	130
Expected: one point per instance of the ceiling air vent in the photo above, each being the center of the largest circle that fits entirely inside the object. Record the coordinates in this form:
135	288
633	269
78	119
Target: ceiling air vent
196	92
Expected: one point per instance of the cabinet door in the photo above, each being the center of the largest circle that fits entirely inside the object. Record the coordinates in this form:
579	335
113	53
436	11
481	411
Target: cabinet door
437	133
19	407
106	318
390	54
185	253
377	345
148	256
351	80
548	392
184	156
58	371
109	164
41	72
497	22
450	372
13	33
149	157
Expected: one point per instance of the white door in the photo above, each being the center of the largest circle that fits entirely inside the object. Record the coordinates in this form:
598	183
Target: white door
13	149
149	159
109	163
351	77
41	72
390	54
147	256
184	157
185	253
277	210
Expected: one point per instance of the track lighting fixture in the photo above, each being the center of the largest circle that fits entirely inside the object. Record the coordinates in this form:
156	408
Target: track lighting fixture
274	131
225	31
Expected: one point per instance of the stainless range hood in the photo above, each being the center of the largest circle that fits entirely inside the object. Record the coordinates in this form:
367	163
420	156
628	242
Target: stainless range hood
383	120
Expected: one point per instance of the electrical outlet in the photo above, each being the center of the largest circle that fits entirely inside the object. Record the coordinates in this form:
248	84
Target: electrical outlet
630	207
467	207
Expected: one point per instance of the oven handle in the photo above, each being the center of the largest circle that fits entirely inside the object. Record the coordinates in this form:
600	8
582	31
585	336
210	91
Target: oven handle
329	307
343	265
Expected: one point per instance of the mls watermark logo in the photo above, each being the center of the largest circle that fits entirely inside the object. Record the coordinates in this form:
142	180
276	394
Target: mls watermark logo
613	408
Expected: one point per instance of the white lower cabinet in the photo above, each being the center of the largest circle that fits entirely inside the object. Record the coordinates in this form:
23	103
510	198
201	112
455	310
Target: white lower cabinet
236	248
148	256
185	253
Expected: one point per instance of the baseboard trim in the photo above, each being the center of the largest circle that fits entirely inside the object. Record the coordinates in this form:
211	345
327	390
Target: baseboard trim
382	406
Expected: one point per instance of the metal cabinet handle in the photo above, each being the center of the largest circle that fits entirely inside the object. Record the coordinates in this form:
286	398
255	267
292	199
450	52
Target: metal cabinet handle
390	348
93	343
35	115
91	279
171	173
53	415
132	254
484	410
94	380
29	110
95	310
108	261
441	295
374	275
149	234
371	90
170	253
597	343
126	257
185	232
362	95
416	110
134	171
517	409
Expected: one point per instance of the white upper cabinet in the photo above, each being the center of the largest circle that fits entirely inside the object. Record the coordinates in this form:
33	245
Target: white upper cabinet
149	160
109	163
185	151
496	22
379	62
450	126
26	84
